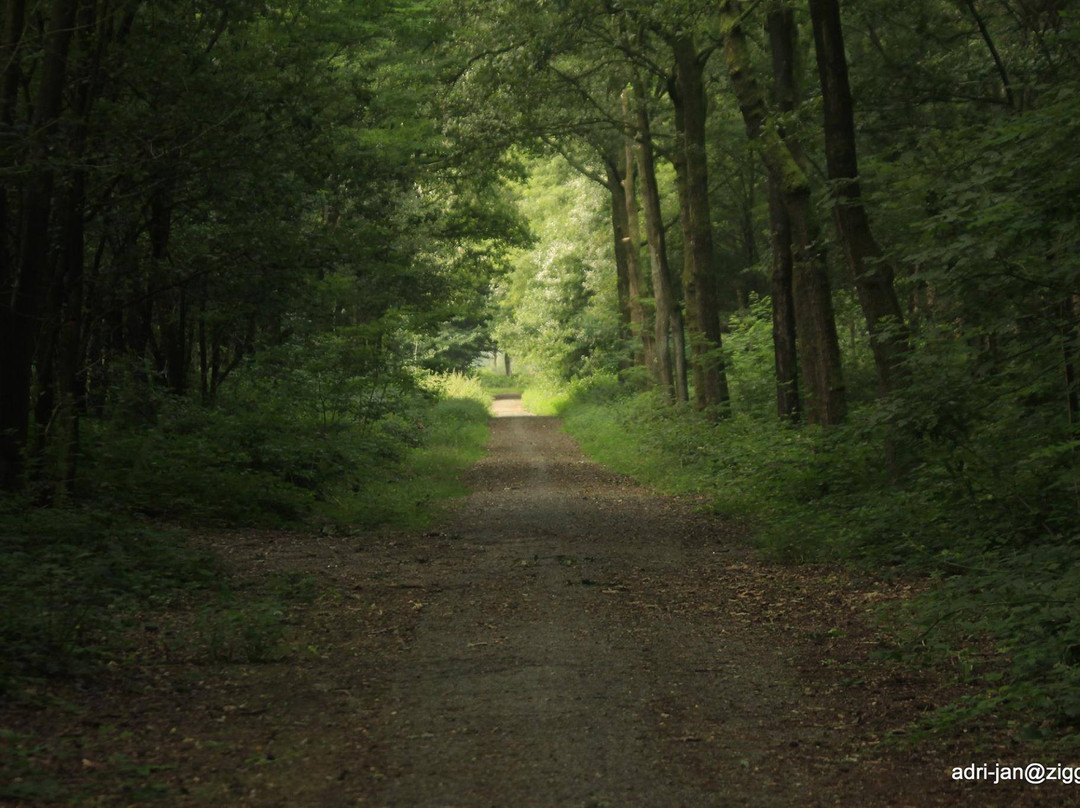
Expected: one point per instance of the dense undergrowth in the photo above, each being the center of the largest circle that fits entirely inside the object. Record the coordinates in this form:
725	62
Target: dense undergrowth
968	502
76	578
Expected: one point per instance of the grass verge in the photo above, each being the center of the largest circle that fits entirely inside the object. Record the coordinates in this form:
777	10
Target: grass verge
1000	607
408	493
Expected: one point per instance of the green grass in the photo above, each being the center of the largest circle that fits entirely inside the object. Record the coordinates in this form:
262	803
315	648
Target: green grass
410	493
257	460
554	398
73	578
545	401
498	383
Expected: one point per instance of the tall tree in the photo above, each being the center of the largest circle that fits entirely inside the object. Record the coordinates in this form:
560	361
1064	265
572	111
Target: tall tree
620	237
21	308
699	281
781	31
639	286
825	399
871	270
663	294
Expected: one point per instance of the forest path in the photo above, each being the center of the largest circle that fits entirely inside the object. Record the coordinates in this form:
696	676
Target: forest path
566	639
586	642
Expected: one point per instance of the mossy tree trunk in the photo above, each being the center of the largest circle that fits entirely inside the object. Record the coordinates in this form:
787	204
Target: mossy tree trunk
871	271
781	29
825	400
699	281
620	236
663	293
639	289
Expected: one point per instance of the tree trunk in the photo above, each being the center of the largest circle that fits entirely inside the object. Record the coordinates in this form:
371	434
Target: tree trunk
204	357
699	281
19	316
872	272
639	289
91	41
620	233
1006	84
819	355
1070	348
14	19
175	345
678	348
785	355
69	347
174	357
678	162
10	63
654	234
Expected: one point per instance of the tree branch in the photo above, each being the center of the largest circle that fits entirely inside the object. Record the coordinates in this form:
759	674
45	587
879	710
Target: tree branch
993	51
575	164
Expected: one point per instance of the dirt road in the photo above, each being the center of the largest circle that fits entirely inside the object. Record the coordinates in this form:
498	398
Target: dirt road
588	643
566	639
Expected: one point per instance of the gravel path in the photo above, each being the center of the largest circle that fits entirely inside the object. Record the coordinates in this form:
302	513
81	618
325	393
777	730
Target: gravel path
589	643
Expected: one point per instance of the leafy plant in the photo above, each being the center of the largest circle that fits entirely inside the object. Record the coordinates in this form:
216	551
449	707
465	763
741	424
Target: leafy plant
71	577
240	632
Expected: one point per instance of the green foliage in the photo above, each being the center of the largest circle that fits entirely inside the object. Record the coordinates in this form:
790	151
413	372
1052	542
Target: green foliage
461	386
71	577
989	517
748	357
239	632
74	579
406	494
21	777
1025	600
546	398
495	382
557	308
750	468
306	431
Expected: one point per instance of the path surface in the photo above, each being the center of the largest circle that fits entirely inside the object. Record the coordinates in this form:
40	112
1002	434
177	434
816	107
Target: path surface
567	639
588	643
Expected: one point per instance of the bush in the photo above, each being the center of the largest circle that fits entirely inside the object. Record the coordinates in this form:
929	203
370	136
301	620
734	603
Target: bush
406	494
288	438
495	383
461	386
552	398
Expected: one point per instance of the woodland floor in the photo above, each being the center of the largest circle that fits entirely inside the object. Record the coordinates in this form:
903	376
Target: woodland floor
565	638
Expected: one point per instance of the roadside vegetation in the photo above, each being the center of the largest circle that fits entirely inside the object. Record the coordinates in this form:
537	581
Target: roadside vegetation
878	365
77	578
973	524
233	300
